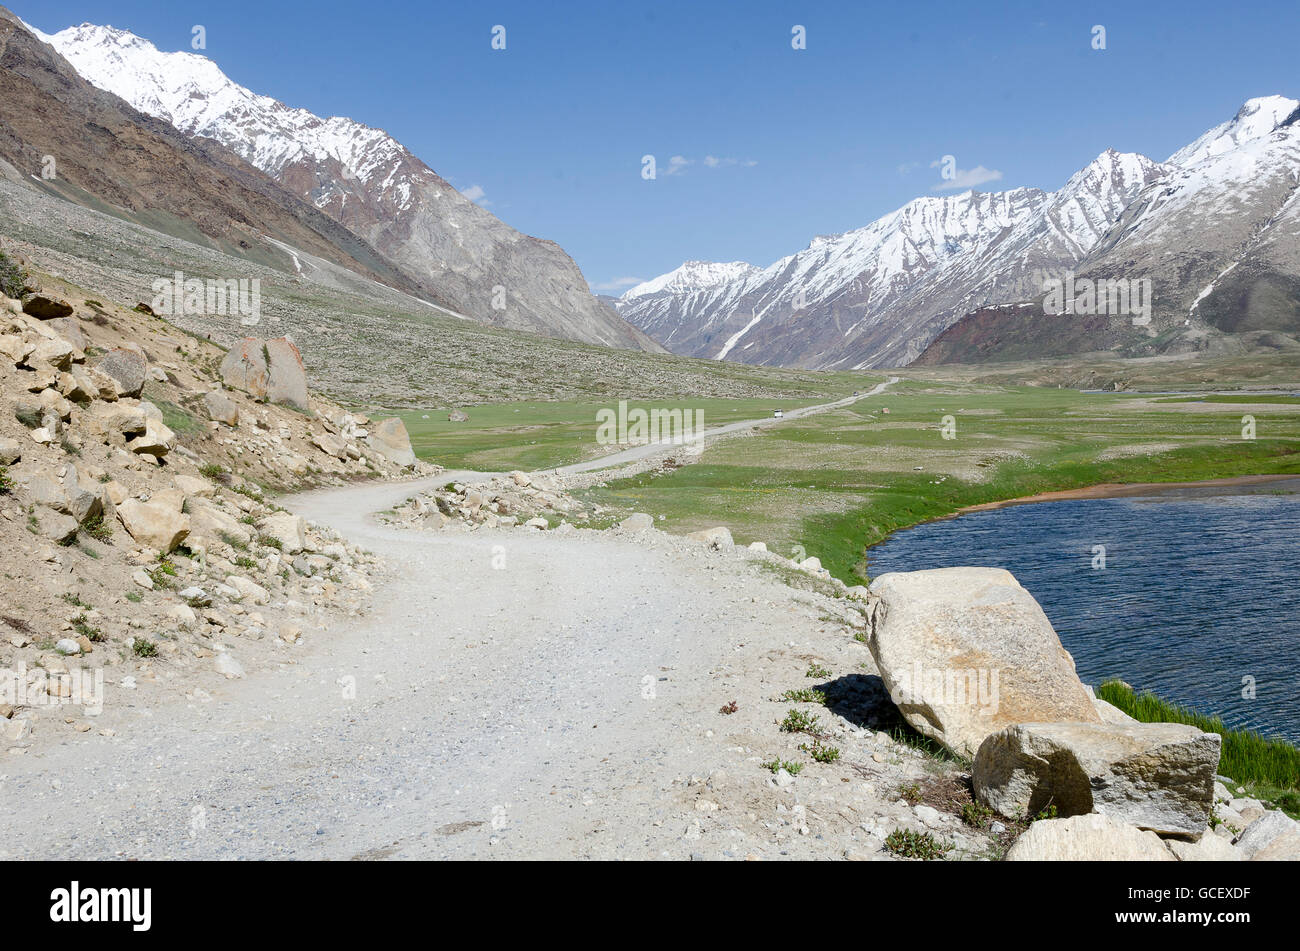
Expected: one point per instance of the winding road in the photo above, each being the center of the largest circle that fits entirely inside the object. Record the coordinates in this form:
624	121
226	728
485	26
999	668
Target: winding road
511	694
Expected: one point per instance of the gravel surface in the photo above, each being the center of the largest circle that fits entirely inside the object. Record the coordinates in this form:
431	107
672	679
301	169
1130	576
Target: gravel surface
514	694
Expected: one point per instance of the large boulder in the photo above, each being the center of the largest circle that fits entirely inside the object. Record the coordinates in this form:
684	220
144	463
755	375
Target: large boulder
128	367
245	367
288	529
330	445
1274	836
715	538
1091	838
287	381
1208	848
221	408
211	524
390	439
156	440
1157	776
46	308
54	525
154	524
70	330
966	652
124	419
268	370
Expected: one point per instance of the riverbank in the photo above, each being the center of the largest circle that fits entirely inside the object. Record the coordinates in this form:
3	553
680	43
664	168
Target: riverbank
1121	490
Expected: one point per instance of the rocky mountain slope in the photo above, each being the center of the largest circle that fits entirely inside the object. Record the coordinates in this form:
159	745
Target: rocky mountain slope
1212	228
139	541
66	137
367	181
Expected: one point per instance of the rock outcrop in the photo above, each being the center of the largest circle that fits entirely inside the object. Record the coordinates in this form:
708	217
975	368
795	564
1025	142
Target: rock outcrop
1090	838
390	439
966	652
270	371
1156	776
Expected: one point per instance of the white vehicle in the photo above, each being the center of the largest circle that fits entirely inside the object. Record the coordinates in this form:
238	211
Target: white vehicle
779	414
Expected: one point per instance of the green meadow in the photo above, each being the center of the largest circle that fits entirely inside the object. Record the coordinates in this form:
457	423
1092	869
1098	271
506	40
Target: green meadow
499	437
836	483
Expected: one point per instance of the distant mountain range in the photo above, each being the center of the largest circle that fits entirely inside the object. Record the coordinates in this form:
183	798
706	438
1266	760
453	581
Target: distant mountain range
1215	229
367	202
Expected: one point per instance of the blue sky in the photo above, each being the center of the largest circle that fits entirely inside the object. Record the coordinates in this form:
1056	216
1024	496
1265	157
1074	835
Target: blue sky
806	142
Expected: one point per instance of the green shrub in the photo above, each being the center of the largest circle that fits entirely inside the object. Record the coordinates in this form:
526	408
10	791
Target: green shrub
142	648
13	279
916	845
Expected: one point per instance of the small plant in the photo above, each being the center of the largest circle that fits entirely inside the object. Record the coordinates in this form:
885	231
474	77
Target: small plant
796	721
13	277
97	529
29	416
135	597
817	670
822	754
911	794
729	708
83	627
806	695
1047	813
270	541
68	447
6	483
916	845
244	561
142	648
163	573
777	765
75	600
211	470
249	490
976	816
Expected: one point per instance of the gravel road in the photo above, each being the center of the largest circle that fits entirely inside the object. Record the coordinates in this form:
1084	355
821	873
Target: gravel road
512	694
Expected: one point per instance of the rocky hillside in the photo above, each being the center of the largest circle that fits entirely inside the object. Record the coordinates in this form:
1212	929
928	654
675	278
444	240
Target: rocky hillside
60	134
134	464
365	180
1212	229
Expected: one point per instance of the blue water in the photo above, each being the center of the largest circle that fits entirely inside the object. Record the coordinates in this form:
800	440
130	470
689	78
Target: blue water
1196	594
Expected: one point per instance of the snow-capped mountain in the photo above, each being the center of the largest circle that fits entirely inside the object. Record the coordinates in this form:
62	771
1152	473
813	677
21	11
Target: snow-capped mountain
1222	226
877	295
1220	211
364	179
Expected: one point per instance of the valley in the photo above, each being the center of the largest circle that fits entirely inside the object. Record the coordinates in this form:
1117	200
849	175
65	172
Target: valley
330	530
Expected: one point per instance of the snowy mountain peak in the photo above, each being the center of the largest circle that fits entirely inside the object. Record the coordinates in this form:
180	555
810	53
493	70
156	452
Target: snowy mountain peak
364	180
1254	120
693	276
193	94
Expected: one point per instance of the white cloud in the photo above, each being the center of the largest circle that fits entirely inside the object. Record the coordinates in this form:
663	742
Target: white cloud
967	178
678	163
476	194
618	284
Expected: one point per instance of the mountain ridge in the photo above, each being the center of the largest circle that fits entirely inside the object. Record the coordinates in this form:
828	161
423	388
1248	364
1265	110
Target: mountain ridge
367	181
879	295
